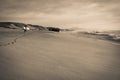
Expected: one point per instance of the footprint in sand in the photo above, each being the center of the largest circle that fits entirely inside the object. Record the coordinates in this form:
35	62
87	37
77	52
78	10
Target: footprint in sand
12	42
8	43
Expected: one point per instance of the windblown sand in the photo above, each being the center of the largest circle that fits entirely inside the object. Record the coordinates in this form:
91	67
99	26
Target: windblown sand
42	55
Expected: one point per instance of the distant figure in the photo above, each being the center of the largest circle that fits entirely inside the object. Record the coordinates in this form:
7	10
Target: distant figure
26	29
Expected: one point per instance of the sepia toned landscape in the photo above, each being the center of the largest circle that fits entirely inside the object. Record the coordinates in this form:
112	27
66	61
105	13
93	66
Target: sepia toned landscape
49	55
59	40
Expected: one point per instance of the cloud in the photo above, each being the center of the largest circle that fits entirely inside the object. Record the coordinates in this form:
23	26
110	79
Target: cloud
69	13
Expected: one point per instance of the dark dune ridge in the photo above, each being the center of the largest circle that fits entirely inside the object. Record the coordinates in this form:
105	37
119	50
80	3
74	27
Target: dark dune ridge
112	35
16	25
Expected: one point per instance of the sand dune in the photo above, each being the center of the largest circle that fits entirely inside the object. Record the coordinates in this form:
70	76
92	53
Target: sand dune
44	55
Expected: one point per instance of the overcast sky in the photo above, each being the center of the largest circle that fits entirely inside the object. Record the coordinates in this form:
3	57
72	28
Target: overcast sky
92	14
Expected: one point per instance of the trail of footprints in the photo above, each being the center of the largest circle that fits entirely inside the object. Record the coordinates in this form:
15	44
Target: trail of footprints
12	42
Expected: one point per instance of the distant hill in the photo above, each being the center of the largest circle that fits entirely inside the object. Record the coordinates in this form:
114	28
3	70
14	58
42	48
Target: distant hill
12	25
16	25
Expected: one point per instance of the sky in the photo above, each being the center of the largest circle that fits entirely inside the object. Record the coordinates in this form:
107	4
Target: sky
89	14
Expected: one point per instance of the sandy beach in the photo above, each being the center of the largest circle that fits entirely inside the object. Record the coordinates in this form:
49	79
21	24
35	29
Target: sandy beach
44	55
